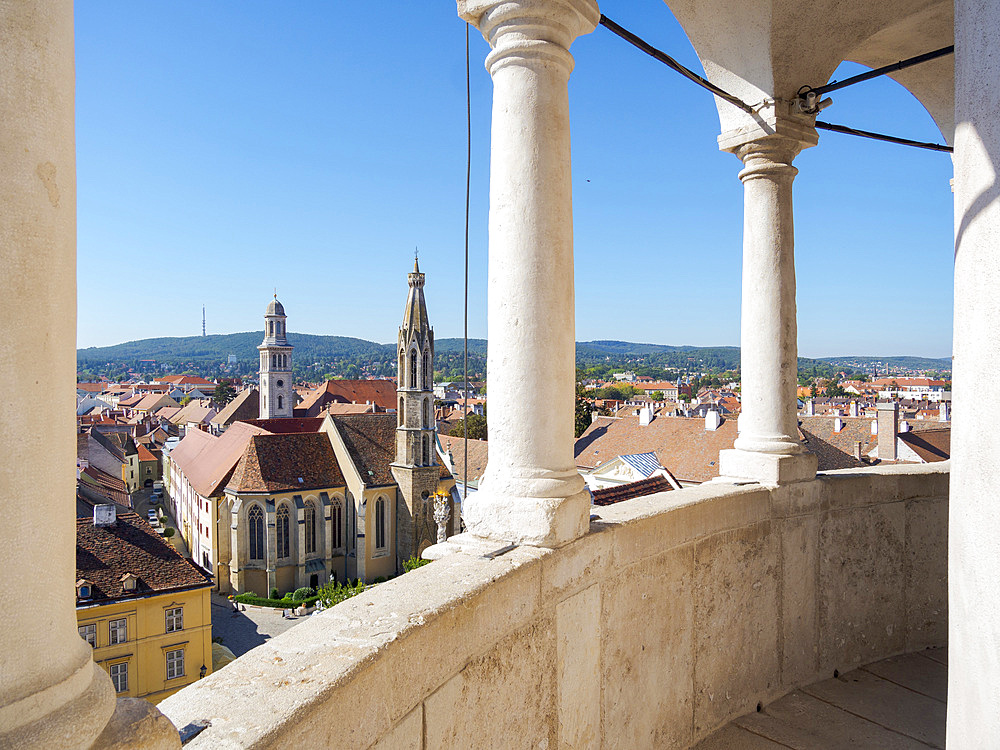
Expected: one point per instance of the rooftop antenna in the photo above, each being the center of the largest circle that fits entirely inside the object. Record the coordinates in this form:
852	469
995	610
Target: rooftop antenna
202	320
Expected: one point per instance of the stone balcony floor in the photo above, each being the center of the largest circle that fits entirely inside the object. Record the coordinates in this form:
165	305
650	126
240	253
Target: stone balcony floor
895	704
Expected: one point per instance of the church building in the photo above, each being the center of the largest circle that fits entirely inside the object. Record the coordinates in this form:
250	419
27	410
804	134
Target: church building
306	500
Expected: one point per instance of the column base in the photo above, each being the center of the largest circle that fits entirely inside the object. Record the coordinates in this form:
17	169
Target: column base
536	521
767	468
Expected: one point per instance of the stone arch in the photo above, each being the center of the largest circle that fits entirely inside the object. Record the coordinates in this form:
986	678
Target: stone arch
380	523
282	531
309	521
337	522
256	547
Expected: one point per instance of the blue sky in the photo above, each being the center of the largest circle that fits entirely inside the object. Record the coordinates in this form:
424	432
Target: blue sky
227	149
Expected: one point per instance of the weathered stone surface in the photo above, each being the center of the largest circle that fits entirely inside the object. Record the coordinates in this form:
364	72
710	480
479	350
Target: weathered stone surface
578	565
736	599
915	672
503	694
647	666
578	669
798	720
408	734
799	623
926	577
884	703
861	608
737	738
137	724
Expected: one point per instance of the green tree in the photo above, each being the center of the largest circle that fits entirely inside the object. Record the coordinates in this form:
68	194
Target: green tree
656	395
582	413
477	428
224	393
185	401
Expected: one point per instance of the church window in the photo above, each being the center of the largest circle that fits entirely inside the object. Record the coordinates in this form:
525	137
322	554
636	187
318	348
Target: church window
270	328
413	369
427	371
427	413
281	400
255	527
280	383
335	518
427	450
310	518
380	523
282	531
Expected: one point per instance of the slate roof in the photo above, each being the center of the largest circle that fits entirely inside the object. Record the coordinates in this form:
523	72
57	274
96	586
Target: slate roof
931	445
104	554
612	495
285	425
681	444
370	440
277	463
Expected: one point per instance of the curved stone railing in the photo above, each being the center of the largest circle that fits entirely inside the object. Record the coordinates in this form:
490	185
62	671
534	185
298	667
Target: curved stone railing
676	614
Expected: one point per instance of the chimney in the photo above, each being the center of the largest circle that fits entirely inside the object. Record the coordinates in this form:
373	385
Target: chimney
904	426
944	413
857	449
810	408
712	420
645	416
888	427
105	515
838	424
854	409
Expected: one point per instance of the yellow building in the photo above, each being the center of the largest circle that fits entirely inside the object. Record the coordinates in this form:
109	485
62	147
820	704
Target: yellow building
145	609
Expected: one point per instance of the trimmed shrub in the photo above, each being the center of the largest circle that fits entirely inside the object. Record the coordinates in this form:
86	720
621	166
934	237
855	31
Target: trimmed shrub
303	593
275	594
169	532
334	593
259	601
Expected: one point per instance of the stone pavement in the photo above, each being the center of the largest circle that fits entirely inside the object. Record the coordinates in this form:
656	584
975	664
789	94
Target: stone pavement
242	631
895	704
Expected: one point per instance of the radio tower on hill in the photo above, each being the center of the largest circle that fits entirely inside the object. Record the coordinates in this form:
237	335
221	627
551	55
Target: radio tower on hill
202	320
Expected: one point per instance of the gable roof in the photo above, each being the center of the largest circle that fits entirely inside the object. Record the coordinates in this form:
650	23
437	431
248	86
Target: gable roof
246	405
370	440
931	445
209	470
644	463
380	392
108	486
105	554
478	456
285	425
286	463
187	450
835	450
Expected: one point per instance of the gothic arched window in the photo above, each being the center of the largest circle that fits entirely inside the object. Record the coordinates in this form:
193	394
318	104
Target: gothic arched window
310	523
255	531
427	372
281	401
427	450
282	531
413	369
400	415
335	520
379	523
427	413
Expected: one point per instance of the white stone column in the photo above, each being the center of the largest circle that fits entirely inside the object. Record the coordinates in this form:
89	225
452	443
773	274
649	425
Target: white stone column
974	522
52	694
768	449
531	492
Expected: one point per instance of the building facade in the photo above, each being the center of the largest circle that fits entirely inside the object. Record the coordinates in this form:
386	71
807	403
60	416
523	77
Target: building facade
277	398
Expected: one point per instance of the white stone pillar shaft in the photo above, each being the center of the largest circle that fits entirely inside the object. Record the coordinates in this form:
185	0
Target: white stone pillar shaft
769	349
768	449
974	522
531	492
51	692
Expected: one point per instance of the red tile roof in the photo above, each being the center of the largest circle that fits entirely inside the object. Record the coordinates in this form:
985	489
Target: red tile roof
105	554
930	445
612	495
380	392
287	463
370	440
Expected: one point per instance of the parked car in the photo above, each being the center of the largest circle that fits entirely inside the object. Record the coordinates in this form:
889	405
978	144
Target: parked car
151	515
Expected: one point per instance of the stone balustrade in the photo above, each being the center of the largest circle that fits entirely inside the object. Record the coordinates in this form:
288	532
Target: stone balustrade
675	614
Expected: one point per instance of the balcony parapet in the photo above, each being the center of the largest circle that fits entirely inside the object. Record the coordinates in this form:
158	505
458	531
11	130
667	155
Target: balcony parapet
677	613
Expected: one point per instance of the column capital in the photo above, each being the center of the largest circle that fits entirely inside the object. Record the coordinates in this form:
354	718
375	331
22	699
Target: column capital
525	30
776	122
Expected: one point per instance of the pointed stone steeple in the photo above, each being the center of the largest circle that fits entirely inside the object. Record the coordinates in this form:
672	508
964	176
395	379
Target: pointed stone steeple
416	468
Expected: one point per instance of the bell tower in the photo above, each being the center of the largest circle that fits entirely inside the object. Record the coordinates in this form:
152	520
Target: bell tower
416	468
277	399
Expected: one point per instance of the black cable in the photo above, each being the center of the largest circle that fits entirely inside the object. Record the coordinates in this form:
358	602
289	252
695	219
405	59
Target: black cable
908	62
670	62
881	137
